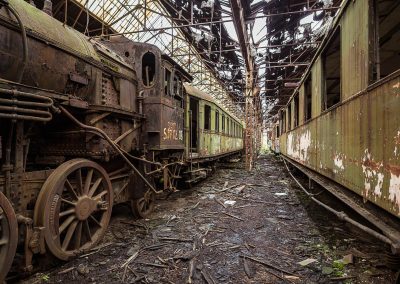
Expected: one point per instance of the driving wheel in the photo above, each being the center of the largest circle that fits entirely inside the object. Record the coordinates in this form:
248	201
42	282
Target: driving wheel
8	236
74	207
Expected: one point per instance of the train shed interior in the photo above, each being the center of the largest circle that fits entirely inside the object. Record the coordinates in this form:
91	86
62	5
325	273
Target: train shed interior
199	141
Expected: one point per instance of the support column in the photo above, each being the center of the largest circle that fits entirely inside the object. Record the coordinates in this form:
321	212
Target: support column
248	137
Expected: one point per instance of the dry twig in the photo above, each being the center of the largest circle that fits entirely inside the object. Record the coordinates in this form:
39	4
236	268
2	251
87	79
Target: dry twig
233	216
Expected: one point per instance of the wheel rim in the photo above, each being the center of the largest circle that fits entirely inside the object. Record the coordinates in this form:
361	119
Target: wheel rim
74	206
8	236
143	206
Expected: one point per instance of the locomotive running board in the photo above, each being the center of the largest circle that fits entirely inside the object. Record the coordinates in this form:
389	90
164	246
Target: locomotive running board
384	222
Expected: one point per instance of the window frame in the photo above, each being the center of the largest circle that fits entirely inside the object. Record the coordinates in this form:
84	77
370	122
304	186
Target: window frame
207	110
307	86
324	100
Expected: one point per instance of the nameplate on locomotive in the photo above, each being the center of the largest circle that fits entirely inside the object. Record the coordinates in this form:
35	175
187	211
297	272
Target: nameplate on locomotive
172	133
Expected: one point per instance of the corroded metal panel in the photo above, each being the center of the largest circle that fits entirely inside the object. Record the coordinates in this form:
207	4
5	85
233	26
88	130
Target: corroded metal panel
354	47
356	144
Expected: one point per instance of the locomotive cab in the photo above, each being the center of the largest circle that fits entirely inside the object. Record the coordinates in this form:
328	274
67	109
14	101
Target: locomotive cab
160	89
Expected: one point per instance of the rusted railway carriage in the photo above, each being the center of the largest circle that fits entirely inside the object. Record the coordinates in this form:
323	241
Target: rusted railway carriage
86	124
343	122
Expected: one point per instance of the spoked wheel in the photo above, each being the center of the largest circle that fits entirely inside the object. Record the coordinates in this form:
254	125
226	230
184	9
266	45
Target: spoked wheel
142	207
8	236
74	207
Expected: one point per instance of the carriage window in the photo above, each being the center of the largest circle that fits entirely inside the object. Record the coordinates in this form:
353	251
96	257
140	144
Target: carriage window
227	126
289	117
296	110
307	98
207	117
167	80
331	70
217	121
223	123
177	86
282	122
148	68
388	36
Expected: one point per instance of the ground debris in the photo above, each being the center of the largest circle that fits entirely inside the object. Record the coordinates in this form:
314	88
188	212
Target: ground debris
307	261
249	272
231	228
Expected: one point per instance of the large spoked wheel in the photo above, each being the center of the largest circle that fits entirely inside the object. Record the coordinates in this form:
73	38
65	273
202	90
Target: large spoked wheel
8	236
142	207
74	207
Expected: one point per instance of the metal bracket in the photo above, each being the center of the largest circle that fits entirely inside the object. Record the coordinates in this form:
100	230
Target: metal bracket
37	243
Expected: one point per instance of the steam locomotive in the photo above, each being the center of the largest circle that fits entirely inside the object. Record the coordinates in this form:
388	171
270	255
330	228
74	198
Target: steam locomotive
88	123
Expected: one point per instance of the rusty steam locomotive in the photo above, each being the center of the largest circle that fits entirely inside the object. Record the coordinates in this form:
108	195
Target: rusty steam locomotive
86	124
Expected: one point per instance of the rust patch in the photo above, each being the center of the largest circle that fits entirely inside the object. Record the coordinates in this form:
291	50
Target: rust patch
370	164
394	169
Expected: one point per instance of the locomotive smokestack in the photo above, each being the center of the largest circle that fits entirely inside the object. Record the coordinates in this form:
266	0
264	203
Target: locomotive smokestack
48	7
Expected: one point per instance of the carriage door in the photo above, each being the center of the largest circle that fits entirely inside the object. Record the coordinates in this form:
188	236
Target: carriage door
194	122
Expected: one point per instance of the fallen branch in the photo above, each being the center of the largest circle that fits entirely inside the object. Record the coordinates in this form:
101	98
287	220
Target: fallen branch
233	216
139	278
259	201
247	205
130	259
66	270
125	270
230	187
268	265
342	278
207	277
175	239
219	202
280	277
95	250
247	268
195	206
191	270
153	264
155	246
191	264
